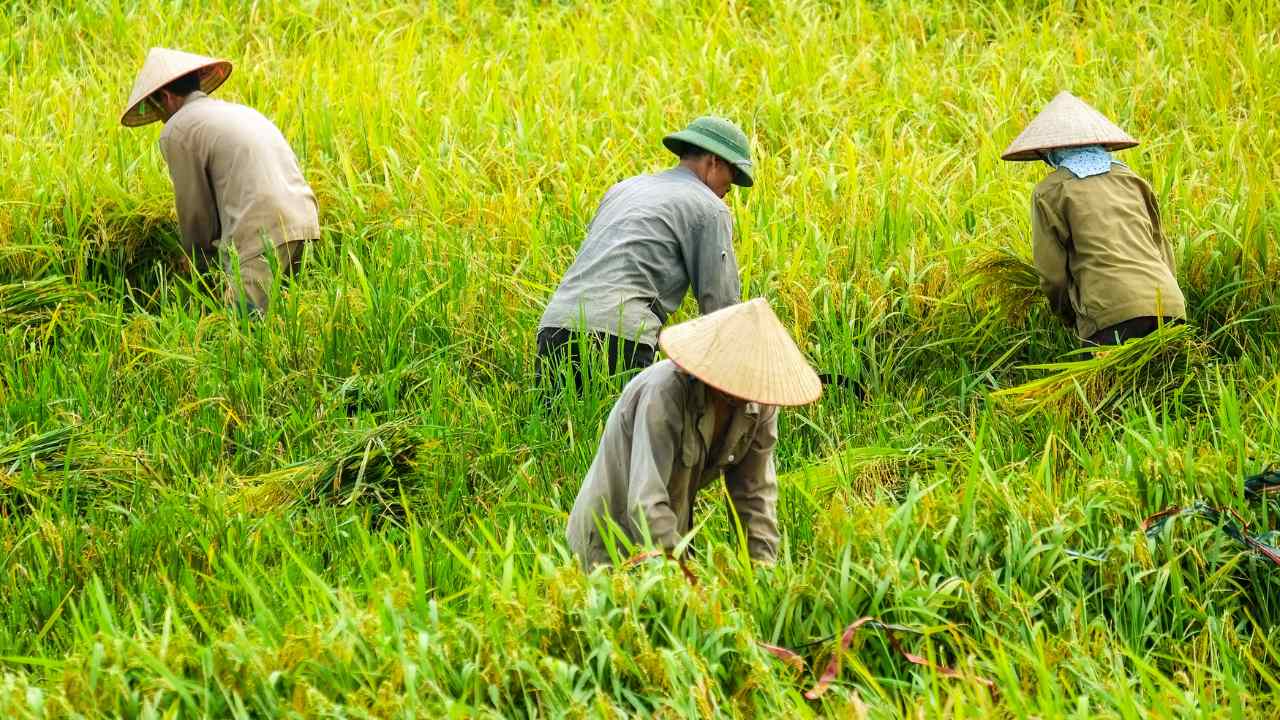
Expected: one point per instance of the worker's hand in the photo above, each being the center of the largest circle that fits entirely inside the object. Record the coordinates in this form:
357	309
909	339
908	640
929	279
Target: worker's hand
684	567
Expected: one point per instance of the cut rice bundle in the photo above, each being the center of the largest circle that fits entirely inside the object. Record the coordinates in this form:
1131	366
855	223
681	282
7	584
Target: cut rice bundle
369	470
861	471
65	461
33	301
1160	367
1008	281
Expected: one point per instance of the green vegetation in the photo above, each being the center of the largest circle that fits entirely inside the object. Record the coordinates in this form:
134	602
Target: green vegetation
457	149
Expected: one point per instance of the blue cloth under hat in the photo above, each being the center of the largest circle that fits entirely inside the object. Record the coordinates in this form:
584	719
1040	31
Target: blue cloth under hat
1083	162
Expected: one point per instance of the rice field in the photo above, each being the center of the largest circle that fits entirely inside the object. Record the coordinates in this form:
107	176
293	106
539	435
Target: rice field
355	507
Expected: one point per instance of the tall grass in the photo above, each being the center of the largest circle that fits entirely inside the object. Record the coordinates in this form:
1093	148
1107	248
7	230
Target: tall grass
458	150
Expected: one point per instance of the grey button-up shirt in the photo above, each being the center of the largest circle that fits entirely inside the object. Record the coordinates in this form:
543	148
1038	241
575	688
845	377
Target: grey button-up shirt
235	179
656	454
652	238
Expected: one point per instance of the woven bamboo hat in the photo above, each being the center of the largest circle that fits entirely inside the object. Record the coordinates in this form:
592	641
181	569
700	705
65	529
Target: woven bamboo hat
1067	121
162	67
743	350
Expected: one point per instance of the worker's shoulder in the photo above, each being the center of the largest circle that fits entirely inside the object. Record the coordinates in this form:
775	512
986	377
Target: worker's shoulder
210	115
1123	174
680	188
1062	184
1119	184
663	379
1053	184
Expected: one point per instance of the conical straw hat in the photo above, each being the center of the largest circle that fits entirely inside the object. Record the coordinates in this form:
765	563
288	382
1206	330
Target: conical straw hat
743	350
162	67
1067	121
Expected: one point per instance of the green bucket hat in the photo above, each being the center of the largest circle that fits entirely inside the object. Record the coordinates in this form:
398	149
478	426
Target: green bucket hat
720	137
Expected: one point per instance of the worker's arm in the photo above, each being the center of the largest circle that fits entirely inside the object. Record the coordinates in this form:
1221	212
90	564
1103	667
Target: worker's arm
193	195
1157	230
711	264
753	491
655	438
1049	238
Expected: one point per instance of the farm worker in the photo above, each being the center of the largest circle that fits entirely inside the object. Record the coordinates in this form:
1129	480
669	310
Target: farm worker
652	238
710	409
236	182
1103	261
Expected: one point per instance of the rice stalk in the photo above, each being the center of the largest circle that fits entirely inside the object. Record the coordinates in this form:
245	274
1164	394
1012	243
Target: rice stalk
1008	281
1162	366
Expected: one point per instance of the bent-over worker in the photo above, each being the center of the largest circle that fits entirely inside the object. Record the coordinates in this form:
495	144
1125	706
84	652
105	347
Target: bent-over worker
710	409
1103	260
236	182
652	239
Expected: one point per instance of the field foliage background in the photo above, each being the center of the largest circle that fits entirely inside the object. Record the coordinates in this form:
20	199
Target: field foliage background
157	557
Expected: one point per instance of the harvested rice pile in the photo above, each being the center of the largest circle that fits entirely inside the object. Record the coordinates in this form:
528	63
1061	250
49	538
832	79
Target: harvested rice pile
1162	367
369	470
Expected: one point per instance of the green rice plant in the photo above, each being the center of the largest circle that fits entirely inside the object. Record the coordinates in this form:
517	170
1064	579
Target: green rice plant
1162	368
458	152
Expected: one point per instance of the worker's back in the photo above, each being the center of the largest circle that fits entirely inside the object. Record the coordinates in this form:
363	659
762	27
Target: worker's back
652	237
1120	264
257	184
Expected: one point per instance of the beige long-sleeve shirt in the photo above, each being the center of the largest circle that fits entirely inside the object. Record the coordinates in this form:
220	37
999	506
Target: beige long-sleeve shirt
236	181
656	454
1100	252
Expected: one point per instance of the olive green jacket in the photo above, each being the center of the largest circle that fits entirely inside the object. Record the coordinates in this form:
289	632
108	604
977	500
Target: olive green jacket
1098	247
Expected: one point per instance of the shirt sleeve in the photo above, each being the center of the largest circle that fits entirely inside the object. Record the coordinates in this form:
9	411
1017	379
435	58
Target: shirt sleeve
1049	237
711	264
753	491
197	211
654	442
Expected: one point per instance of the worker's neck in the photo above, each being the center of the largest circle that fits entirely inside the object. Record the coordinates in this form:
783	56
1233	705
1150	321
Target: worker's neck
697	167
170	104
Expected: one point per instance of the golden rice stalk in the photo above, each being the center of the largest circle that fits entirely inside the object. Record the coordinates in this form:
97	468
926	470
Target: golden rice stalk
1007	280
1160	367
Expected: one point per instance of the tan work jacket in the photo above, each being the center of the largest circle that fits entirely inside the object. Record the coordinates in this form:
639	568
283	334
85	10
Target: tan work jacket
656	454
1100	252
236	181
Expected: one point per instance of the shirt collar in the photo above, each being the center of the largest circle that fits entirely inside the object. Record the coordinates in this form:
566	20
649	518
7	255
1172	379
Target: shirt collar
191	98
704	417
685	173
